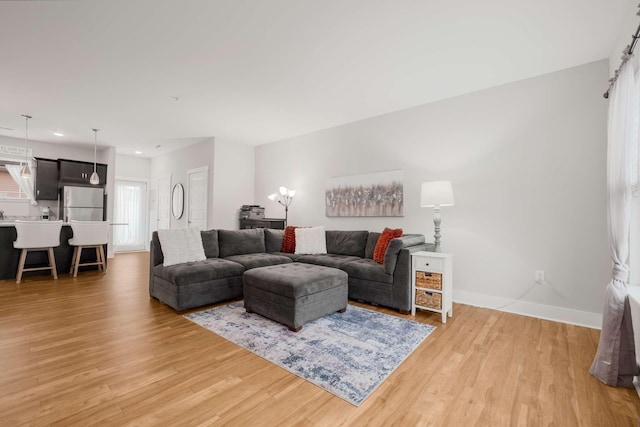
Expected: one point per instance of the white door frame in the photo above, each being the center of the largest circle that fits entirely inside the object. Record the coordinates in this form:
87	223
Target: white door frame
161	177
206	204
146	206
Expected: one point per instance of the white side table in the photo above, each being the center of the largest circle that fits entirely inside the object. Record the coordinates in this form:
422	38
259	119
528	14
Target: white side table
432	283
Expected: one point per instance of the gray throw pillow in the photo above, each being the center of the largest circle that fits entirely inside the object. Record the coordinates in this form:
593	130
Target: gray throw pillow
240	242
352	243
273	240
210	243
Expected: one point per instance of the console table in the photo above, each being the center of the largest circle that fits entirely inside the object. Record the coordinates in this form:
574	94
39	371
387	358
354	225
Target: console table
275	223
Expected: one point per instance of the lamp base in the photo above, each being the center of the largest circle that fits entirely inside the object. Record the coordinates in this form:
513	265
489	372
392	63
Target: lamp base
436	227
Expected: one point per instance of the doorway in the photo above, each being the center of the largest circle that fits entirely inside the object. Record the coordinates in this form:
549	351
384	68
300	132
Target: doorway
129	216
198	184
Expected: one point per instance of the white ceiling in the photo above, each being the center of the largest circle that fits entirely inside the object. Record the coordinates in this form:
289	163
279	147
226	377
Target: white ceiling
257	71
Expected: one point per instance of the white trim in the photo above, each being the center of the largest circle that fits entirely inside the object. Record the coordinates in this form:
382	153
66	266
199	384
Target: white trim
531	309
124	178
198	169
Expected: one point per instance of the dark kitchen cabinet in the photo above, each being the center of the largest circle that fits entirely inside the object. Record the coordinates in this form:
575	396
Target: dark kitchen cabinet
46	179
74	172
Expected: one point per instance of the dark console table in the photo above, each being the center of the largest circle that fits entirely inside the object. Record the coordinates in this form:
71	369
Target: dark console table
276	223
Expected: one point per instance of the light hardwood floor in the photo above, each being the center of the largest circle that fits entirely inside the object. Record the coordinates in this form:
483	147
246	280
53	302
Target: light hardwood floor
96	350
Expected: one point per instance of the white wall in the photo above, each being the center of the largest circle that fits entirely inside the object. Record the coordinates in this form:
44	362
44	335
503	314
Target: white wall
176	164
233	181
527	162
627	27
132	167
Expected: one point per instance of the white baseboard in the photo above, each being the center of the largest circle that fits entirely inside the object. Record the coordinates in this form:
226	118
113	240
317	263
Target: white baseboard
531	309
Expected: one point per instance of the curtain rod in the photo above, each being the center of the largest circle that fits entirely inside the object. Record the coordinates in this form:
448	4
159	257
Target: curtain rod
627	53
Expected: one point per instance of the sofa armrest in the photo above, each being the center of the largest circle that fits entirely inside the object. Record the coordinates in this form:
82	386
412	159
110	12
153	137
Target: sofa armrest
155	257
395	246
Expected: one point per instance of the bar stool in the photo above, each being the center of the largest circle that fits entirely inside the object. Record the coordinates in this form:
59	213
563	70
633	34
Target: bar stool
86	235
37	236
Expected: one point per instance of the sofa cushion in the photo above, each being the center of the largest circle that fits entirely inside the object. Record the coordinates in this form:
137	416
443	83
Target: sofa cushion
240	242
294	257
367	269
372	241
210	243
383	243
200	271
273	240
328	260
347	242
249	261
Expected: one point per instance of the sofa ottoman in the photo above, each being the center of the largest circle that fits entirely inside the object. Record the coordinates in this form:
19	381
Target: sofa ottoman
294	294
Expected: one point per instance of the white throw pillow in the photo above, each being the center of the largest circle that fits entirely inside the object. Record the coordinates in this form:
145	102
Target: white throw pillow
311	240
194	245
181	245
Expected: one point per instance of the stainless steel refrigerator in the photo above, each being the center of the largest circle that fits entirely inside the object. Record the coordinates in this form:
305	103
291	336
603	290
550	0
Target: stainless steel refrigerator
82	203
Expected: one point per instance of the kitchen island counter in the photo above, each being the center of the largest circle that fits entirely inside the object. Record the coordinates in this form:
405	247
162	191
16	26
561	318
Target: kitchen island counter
9	256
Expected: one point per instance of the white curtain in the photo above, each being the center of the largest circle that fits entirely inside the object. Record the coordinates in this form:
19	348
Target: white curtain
129	216
26	184
615	361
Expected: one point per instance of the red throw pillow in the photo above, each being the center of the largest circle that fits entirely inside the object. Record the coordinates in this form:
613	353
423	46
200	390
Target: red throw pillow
383	243
289	240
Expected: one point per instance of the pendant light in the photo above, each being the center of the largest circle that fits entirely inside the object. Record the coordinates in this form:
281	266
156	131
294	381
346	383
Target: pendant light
95	179
25	172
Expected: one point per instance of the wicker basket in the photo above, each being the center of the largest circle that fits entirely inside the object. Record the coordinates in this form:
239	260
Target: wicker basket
428	280
429	299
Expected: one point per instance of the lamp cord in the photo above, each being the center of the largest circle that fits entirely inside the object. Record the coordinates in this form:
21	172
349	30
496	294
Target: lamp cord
95	144
26	138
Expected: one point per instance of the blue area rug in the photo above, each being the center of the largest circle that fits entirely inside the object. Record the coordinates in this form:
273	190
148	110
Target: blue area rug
348	354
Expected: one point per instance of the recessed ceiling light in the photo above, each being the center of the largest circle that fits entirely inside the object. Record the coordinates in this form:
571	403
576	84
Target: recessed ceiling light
158	146
138	152
58	134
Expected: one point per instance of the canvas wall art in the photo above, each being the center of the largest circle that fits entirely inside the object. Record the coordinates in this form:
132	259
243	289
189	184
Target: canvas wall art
372	194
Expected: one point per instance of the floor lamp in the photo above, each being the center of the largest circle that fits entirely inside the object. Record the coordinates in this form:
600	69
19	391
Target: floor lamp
284	197
436	194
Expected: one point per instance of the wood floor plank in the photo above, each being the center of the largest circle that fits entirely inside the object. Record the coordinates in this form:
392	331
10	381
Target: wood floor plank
96	350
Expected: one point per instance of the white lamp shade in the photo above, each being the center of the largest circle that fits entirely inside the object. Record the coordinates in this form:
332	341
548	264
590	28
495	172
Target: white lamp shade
284	191
273	197
291	193
437	193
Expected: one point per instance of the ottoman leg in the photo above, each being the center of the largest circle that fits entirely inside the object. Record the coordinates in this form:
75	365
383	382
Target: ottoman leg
292	329
342	310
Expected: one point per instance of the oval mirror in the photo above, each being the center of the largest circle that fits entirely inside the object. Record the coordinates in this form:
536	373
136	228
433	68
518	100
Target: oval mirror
177	201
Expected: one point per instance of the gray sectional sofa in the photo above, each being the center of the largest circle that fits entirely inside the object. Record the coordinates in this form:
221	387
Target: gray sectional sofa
232	252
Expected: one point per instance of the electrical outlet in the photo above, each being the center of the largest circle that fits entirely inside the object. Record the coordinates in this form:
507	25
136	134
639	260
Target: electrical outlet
539	277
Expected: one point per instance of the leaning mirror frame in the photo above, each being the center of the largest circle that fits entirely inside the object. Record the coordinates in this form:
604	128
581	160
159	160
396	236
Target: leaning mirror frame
177	201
